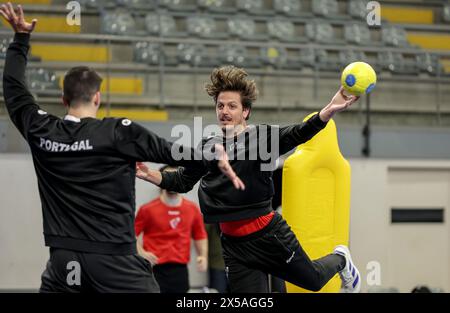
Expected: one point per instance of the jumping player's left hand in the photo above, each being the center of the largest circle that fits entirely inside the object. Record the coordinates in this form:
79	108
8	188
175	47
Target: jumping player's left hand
339	103
202	264
155	177
226	169
17	21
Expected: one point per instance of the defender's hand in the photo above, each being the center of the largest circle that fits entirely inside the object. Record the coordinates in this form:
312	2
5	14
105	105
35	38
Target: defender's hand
17	21
144	173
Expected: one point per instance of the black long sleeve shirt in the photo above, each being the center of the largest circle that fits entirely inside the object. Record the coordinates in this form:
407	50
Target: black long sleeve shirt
219	200
85	167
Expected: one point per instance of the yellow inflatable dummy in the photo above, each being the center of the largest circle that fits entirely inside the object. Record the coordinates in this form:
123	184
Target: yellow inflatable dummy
316	197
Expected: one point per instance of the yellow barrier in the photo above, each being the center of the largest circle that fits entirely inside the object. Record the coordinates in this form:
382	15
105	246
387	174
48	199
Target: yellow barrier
316	197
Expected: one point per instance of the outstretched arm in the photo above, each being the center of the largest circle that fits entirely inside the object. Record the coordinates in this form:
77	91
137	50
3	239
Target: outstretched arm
294	135
21	105
181	181
138	144
184	179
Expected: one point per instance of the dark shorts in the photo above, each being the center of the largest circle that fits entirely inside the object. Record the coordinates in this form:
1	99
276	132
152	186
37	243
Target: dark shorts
172	277
274	250
73	271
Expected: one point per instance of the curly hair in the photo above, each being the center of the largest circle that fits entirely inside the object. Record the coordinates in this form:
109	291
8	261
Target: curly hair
231	78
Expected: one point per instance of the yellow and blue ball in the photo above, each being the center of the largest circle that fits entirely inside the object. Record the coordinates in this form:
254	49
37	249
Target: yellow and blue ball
358	78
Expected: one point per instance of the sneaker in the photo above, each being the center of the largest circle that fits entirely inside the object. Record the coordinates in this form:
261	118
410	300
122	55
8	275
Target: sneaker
351	279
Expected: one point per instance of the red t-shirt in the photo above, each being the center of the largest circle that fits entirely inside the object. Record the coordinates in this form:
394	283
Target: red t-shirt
168	230
247	226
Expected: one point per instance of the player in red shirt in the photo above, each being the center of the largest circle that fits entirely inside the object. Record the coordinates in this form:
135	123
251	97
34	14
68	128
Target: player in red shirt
168	223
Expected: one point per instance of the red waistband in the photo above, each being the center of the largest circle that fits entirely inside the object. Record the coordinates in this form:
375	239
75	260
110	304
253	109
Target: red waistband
247	226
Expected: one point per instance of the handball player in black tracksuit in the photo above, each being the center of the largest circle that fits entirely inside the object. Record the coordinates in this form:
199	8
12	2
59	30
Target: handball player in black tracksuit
86	176
256	241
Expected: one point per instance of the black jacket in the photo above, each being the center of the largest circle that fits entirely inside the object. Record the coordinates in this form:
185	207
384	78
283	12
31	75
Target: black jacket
219	200
85	168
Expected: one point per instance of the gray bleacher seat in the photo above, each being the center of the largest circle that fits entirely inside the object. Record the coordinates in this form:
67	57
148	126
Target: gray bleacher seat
396	63
394	36
278	57
221	6
249	5
153	21
151	54
204	27
281	29
253	7
326	8
98	4
148	53
190	53
244	28
388	60
195	55
307	57
137	4
39	79
118	22
288	7
179	5
349	56
428	63
357	9
4	43
327	61
446	13
274	56
321	33
234	55
357	33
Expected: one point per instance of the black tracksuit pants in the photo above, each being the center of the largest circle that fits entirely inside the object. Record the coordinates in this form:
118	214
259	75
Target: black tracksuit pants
73	271
274	250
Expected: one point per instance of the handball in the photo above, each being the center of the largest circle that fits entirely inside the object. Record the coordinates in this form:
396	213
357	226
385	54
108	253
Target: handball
358	78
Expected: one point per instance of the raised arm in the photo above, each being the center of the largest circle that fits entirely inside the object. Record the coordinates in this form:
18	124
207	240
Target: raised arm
181	181
21	105
294	135
184	179
137	143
